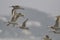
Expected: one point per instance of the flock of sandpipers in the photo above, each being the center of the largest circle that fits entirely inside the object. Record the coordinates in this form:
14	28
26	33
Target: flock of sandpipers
15	16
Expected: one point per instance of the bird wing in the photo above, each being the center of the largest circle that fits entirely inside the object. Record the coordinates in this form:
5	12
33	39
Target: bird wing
16	17
24	23
13	11
56	23
13	17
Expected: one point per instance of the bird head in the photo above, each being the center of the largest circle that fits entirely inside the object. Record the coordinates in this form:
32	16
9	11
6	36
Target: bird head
16	6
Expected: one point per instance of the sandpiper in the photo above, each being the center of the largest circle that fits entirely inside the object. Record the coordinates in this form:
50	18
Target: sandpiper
15	15
14	18
57	24
15	8
24	25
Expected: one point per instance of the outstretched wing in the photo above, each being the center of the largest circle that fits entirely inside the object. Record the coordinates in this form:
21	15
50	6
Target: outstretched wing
12	11
24	23
14	14
17	15
13	17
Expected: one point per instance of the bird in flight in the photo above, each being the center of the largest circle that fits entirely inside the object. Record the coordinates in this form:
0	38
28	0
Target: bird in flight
15	15
15	18
15	8
57	24
24	25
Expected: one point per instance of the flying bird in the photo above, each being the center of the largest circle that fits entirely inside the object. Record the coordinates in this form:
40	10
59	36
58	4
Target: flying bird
15	18
57	24
15	15
24	25
15	8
